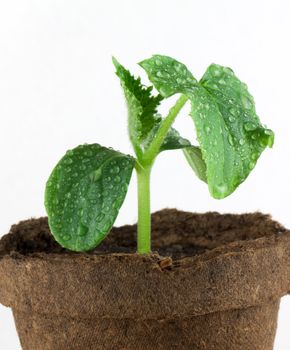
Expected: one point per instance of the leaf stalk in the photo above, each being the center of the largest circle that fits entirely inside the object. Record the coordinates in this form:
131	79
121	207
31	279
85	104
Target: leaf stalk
154	148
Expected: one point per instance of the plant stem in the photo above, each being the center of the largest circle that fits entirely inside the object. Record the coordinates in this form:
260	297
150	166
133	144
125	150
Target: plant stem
154	148
144	214
143	169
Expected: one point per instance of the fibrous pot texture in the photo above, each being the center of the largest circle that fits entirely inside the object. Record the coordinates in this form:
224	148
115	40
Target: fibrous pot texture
213	282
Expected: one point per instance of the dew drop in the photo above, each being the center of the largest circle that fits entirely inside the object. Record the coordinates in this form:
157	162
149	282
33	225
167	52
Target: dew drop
242	142
247	103
215	71
82	230
94	176
88	153
254	156
68	160
158	62
115	169
228	71
178	67
117	179
230	139
106	227
159	74
163	91
249	126
116	205
207	129
222	82
100	217
234	111
252	165
221	189
263	142
66	237
268	132
231	119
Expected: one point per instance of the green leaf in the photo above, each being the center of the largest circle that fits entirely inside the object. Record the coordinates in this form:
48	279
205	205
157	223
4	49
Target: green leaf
195	160
172	141
168	75
228	129
84	194
142	106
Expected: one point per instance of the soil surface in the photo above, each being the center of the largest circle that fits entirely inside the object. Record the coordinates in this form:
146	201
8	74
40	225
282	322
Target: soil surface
174	233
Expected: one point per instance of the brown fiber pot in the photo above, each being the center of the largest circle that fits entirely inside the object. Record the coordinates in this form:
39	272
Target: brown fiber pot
214	284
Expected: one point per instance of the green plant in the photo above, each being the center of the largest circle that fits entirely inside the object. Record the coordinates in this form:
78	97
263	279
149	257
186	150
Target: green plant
87	187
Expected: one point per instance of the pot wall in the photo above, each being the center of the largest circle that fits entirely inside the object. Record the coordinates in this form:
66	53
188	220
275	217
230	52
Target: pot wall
244	329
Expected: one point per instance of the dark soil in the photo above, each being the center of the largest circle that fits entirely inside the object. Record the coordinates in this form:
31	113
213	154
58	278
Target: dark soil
174	233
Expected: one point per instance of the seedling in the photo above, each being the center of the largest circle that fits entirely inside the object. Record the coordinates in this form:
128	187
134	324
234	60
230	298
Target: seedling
88	185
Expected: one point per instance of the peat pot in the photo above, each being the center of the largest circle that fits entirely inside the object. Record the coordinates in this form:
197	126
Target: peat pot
213	282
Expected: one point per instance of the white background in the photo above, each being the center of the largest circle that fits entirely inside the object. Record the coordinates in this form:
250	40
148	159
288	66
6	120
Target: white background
58	90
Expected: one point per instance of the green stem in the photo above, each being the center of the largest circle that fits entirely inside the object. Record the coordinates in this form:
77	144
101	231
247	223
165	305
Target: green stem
154	148
143	169
144	214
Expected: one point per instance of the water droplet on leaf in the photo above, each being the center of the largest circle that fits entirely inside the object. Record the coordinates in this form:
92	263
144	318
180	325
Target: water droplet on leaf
221	189
249	126
158	62
82	230
247	103
66	237
252	165
255	156
230	139
88	153
234	111
268	132
68	160
207	129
